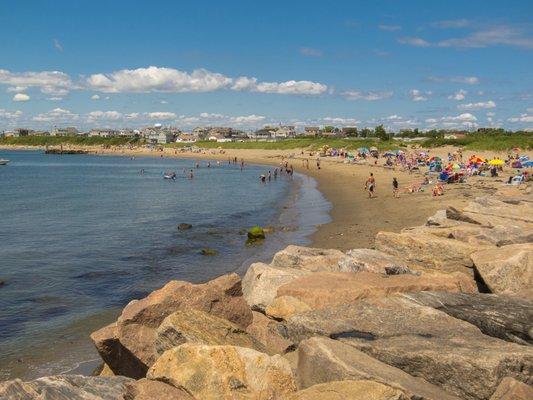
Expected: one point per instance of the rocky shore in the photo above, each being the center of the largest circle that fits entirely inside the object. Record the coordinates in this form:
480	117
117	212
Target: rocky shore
435	312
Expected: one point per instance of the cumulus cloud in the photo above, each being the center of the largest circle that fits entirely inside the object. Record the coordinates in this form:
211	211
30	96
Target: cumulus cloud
461	121
162	115
21	97
155	79
469	80
57	45
57	115
451	23
16	89
521	118
368	96
310	52
460	95
339	121
389	28
104	115
55	98
7	114
477	106
95	97
417	95
49	82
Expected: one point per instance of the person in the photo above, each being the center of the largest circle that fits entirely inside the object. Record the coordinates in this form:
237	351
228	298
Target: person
269	176
242	164
370	185
191	175
276	173
395	192
197	165
318	163
262	178
209	164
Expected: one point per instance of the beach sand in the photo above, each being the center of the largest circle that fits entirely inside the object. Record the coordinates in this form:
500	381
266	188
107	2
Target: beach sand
355	219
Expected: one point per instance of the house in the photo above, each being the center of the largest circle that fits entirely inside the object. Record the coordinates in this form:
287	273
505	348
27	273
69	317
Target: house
262	134
165	137
186	138
20	132
104	133
312	130
66	131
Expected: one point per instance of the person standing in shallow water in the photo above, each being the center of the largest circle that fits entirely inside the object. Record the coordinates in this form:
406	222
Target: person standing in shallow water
370	185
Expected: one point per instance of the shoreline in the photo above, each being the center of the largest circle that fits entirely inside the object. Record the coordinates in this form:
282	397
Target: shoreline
355	219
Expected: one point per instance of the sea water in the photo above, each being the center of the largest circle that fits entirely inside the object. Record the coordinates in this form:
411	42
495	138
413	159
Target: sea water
82	235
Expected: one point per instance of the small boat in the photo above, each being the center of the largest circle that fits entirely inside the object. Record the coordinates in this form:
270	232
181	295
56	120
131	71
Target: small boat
3	162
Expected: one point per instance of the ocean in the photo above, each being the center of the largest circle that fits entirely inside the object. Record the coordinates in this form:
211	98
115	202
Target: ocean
82	235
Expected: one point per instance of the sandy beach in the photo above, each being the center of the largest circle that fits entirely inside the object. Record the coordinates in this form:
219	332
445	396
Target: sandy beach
355	219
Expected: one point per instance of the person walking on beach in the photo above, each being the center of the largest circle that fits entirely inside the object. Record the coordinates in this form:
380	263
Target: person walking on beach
318	163
370	185
395	192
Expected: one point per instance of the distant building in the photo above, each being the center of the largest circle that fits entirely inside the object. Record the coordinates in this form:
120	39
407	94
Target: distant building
66	131
312	130
104	133
165	137
21	132
186	138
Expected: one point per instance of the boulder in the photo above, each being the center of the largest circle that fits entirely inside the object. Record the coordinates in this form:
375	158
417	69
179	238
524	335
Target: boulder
224	372
342	390
489	206
370	260
282	308
184	226
128	346
428	250
194	326
206	251
322	360
507	269
145	389
421	341
326	289
456	215
261	283
504	317
308	258
62	387
269	333
256	233
511	389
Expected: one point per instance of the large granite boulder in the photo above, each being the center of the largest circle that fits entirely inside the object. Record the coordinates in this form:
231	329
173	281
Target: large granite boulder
511	389
283	307
422	341
343	390
487	207
224	372
62	387
145	389
322	360
327	289
504	317
370	260
193	326
270	333
428	250
128	346
261	283
308	258
507	269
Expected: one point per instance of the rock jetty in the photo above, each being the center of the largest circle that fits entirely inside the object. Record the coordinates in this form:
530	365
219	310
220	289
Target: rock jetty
442	311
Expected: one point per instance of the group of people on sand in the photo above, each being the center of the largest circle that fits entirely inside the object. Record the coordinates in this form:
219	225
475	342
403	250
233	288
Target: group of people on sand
370	186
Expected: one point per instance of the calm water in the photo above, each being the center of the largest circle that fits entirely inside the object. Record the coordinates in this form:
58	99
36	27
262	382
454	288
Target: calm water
81	235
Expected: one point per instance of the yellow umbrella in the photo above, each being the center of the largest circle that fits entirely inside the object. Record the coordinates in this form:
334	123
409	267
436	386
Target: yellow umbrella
496	161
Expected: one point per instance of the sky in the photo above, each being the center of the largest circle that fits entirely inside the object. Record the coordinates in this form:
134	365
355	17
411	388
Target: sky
404	64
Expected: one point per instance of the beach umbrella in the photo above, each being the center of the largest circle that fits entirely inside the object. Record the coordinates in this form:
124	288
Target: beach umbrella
456	166
476	160
389	154
496	161
527	164
363	150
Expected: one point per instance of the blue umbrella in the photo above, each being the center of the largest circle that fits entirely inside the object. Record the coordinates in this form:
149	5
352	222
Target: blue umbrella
527	164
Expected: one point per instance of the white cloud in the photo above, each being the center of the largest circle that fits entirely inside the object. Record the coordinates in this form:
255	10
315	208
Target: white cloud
163	102
16	89
414	41
162	115
341	121
57	45
104	115
389	28
501	35
21	97
6	114
310	52
54	98
155	79
368	96
529	110
477	106
491	114
49	82
57	115
465	117
460	95
417	95
95	97
247	119
469	80
521	118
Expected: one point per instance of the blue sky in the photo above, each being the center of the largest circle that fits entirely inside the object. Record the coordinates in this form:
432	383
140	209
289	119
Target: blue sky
425	64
